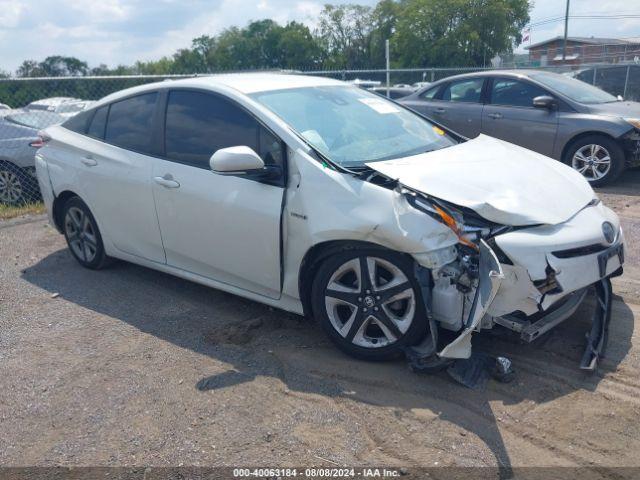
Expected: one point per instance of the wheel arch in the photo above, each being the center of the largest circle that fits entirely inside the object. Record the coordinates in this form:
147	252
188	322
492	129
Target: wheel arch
580	136
313	258
58	207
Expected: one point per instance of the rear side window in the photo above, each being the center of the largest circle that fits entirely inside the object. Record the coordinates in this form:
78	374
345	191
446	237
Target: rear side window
130	122
430	94
468	91
98	123
199	123
78	123
514	93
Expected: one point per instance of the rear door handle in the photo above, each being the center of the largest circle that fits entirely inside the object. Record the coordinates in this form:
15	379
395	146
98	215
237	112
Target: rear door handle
495	116
439	110
167	181
89	161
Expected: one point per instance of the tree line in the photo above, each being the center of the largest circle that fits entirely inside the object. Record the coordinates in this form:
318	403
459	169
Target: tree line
349	36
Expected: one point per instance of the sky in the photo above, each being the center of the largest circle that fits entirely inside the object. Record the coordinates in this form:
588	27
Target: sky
122	31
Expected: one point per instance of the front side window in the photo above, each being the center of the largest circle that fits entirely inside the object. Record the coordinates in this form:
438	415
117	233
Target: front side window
514	93
200	123
351	126
469	91
130	122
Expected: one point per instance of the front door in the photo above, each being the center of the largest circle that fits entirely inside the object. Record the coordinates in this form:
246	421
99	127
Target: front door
511	116
226	228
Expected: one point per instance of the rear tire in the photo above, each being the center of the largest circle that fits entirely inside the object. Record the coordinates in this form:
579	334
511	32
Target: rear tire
369	302
597	157
82	235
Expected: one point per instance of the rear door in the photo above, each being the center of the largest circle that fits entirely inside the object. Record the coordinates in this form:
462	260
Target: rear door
114	170
226	228
511	116
459	106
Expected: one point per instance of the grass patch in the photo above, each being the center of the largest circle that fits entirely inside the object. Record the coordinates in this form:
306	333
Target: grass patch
9	211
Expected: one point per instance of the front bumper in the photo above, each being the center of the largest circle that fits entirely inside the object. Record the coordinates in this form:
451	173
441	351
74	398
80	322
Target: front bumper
542	277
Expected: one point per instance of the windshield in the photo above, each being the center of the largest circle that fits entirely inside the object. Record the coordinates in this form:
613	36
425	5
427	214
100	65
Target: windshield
351	126
35	120
574	89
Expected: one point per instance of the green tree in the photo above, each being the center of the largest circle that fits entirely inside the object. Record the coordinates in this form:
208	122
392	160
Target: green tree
457	32
384	18
344	33
29	68
53	66
296	48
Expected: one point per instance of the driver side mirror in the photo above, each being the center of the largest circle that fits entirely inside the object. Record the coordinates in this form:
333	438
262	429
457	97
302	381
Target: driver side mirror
545	101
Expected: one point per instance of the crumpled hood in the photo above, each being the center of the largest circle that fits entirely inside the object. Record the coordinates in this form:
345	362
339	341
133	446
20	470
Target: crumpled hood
500	181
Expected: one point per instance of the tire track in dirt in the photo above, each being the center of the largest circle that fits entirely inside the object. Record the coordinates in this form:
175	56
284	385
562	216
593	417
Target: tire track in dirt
521	431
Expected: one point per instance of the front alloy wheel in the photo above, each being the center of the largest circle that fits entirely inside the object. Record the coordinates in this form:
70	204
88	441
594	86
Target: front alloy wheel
592	161
598	158
368	303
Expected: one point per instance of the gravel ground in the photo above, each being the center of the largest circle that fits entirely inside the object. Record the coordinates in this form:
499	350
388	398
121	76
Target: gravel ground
131	367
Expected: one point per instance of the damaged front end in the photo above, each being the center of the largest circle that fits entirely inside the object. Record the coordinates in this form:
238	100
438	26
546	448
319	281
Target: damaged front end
527	279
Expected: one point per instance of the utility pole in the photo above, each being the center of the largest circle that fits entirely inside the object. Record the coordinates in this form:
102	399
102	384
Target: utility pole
566	27
386	55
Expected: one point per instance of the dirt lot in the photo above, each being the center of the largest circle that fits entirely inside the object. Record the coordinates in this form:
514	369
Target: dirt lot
128	366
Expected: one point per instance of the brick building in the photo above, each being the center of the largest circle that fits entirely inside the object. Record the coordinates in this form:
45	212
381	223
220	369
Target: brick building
583	50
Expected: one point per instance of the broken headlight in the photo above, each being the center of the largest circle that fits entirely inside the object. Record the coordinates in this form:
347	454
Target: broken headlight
468	235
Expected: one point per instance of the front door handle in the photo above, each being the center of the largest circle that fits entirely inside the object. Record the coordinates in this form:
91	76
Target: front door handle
89	161
495	116
439	110
167	181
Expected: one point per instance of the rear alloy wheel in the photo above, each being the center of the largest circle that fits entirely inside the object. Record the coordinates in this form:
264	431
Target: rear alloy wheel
599	159
82	235
12	185
369	303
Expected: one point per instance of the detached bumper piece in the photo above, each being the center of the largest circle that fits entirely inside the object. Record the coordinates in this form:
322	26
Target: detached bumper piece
597	338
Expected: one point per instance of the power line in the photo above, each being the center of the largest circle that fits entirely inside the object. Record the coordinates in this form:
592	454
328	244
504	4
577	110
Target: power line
583	17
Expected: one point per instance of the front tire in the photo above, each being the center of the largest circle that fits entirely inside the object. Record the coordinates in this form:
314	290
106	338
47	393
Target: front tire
597	157
369	303
82	235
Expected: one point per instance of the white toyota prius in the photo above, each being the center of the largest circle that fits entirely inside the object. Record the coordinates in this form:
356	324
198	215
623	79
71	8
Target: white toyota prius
320	198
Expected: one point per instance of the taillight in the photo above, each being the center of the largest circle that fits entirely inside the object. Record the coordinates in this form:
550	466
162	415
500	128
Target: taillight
40	141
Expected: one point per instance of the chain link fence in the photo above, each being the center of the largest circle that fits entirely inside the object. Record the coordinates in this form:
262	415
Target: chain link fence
28	105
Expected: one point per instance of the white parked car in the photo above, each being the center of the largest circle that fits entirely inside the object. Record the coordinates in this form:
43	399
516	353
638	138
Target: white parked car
65	106
321	198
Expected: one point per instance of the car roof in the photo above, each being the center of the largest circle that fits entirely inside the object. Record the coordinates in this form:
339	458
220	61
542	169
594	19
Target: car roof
244	83
516	73
54	101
